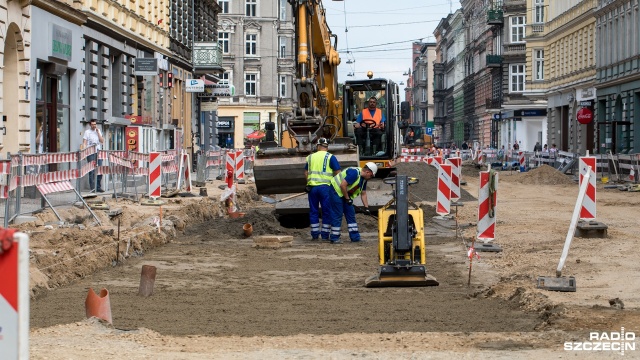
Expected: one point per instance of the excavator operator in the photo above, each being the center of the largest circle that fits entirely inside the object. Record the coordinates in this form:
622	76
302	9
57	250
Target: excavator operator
373	120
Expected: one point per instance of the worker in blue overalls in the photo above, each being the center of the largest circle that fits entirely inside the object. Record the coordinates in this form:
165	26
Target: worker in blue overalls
345	187
320	168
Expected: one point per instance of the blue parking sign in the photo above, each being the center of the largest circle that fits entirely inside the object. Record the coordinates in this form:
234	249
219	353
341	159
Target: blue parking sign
429	131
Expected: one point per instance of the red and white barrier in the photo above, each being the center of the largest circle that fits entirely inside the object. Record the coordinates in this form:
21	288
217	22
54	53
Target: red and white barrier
456	165
409	158
487	201
443	206
186	160
235	163
437	160
55	187
588	209
155	175
14	295
521	160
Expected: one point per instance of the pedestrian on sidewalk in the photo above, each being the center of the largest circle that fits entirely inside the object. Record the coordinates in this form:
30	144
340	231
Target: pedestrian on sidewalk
93	136
345	187
320	168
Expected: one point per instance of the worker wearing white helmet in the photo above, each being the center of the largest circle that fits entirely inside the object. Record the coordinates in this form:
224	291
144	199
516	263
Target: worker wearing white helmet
346	186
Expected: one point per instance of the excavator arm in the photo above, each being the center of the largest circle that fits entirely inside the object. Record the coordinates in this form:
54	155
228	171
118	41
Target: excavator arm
317	110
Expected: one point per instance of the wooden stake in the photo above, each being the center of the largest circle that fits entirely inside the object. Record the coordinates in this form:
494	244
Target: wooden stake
147	279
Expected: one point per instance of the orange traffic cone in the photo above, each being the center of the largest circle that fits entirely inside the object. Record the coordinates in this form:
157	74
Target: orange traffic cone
98	305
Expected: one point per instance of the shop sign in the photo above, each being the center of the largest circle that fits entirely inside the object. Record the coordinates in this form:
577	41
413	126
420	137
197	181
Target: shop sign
194	86
223	124
138	120
132	138
61	42
209	106
146	66
585	115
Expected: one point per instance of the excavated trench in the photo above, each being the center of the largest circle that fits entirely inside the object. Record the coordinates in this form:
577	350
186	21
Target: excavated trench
211	280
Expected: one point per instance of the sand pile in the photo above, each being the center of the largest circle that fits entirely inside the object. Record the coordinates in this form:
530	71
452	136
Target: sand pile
544	175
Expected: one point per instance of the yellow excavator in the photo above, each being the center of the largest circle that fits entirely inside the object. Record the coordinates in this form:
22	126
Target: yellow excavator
319	111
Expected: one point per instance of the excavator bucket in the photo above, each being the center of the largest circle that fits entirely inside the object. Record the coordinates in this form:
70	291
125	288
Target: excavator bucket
390	276
282	172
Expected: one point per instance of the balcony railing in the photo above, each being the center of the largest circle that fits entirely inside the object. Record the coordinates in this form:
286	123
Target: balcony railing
535	30
207	56
494	17
494	60
515	49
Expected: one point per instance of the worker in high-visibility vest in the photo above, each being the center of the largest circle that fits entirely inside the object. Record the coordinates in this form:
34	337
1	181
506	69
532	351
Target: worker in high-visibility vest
345	187
320	168
371	120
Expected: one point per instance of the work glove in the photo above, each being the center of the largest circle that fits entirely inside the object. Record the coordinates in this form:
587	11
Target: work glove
307	189
366	211
350	201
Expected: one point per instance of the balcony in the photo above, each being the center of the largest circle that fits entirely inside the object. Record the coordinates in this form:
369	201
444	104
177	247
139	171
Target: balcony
535	30
515	49
439	93
493	103
439	120
494	61
207	57
494	17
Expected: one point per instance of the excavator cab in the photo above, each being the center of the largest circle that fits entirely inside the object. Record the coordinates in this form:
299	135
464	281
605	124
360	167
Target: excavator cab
376	141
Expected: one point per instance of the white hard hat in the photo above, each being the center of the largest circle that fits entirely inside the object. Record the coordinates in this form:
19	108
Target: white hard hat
372	166
323	142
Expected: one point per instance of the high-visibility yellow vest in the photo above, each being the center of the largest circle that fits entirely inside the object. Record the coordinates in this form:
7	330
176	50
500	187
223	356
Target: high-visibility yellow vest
318	169
337	180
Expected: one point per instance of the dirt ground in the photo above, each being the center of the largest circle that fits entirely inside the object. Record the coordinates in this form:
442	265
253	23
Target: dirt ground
218	296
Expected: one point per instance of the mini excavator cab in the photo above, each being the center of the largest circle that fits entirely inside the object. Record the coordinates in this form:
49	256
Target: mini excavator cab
401	244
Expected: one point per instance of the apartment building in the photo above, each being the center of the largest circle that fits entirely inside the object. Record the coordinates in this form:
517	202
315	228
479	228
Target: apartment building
422	79
257	42
617	81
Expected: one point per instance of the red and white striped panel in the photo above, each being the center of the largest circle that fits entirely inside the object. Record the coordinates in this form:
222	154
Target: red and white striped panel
30	160
407	159
104	170
521	159
411	150
54	187
428	160
168	157
170	168
443	205
213	162
5	167
59	158
437	160
456	164
487	207
588	209
187	170
4	191
87	151
136	156
13	183
15	160
155	175
86	168
116	160
235	163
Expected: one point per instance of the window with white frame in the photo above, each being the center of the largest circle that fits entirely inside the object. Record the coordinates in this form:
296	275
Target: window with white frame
538	58
283	10
517	29
251	44
424	74
250	84
282	48
225	78
539	11
424	95
224	4
251	8
283	86
223	41
423	116
516	77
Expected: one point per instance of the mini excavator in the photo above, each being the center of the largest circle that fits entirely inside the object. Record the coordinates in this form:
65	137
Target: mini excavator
401	244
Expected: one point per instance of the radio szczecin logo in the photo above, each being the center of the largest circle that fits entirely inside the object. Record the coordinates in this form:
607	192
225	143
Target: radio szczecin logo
605	341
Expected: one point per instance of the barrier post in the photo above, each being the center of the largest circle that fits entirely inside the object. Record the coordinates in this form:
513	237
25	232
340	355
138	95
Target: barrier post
14	295
455	163
487	202
443	206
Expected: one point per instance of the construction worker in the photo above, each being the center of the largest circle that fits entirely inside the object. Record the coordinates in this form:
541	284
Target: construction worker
345	187
371	120
320	168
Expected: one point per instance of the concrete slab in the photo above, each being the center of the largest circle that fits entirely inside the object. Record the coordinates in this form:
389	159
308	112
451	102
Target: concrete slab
21	219
591	229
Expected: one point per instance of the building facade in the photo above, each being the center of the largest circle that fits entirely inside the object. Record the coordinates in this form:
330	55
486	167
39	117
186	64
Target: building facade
424	55
258	48
617	80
